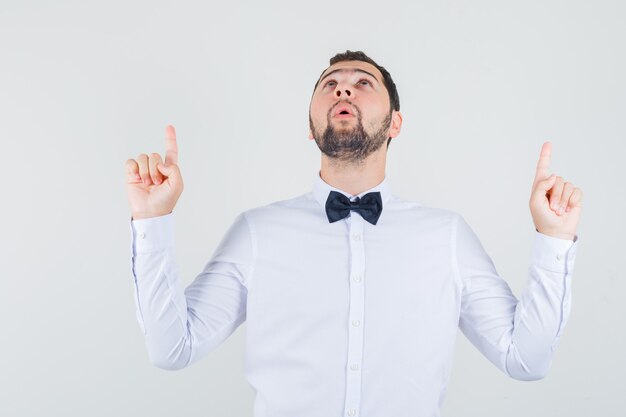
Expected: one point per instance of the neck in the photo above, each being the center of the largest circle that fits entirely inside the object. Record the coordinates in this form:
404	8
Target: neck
355	178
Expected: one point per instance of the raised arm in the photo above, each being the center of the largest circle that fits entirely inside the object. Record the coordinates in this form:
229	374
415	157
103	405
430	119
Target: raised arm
520	337
181	325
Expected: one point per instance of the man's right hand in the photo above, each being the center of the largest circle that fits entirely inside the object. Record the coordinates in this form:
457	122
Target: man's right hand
153	186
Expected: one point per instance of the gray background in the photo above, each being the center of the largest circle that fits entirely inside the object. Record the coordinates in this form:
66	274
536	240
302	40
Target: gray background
86	85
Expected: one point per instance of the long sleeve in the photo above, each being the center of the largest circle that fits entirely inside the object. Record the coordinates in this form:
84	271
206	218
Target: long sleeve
519	337
182	326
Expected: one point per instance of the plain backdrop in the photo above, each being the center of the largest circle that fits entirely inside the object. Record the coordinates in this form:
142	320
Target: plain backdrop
85	85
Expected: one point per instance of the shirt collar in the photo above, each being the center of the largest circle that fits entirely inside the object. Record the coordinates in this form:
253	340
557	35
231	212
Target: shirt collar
321	189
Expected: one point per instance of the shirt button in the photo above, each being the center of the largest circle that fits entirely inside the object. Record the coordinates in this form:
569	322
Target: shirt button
352	412
559	256
357	278
354	366
142	235
356	237
356	323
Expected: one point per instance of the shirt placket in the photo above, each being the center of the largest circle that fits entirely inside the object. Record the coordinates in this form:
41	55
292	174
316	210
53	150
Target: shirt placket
355	316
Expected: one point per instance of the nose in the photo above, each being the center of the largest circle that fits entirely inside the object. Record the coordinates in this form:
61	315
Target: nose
343	90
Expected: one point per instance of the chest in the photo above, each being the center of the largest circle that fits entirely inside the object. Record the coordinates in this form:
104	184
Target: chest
404	275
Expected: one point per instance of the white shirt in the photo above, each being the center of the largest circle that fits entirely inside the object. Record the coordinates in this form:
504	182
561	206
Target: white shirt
349	318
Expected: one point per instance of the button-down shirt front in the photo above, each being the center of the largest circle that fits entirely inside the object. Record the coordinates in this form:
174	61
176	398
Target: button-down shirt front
349	318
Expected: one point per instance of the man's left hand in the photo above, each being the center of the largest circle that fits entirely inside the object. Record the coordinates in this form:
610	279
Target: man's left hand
555	205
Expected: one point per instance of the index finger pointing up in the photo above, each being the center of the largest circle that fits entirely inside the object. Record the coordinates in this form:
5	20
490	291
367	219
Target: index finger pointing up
171	147
543	166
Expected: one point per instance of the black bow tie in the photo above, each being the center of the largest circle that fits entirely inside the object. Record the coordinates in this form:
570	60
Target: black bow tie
369	206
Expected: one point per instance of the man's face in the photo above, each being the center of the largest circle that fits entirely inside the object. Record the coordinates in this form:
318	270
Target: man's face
350	115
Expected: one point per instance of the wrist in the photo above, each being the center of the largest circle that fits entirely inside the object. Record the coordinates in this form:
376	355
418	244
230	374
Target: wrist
146	215
567	236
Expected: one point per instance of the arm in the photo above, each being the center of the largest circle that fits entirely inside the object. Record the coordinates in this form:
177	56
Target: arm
519	337
181	327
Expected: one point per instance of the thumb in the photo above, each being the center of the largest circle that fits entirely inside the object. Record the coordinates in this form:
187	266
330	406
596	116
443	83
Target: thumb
543	186
166	170
171	171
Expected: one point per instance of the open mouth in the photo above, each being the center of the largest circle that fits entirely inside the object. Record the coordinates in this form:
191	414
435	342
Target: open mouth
343	111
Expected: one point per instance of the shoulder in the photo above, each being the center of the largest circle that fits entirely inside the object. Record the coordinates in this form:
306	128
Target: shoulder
413	211
283	209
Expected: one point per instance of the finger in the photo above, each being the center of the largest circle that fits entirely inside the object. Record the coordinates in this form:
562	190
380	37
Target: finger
155	174
568	189
132	171
171	146
555	193
576	199
543	165
144	172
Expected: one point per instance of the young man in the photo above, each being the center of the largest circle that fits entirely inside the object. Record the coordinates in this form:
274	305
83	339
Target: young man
352	295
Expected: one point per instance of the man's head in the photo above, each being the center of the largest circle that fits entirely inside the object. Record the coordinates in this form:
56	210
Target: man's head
354	108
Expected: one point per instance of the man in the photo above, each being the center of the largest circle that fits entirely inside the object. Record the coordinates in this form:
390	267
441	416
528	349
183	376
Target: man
352	295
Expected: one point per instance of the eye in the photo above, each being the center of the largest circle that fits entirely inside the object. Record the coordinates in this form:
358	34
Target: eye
330	83
364	82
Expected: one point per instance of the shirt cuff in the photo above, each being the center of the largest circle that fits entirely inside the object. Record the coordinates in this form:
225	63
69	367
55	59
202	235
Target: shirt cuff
154	234
554	254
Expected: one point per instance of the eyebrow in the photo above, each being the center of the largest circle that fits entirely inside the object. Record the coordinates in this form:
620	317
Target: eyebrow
347	69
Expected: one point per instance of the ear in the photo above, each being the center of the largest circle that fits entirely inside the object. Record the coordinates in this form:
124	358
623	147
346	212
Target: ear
396	124
311	135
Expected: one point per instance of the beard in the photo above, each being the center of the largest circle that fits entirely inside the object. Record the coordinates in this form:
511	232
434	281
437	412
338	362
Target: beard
350	145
